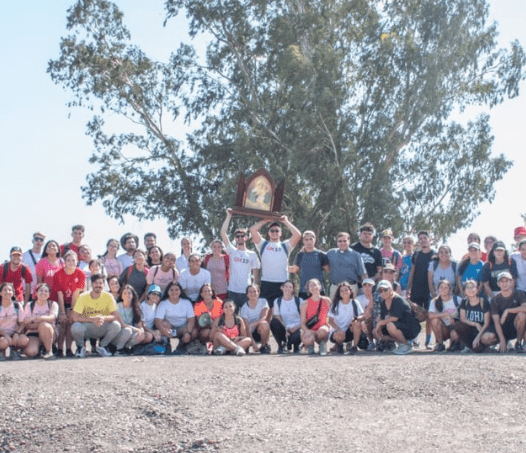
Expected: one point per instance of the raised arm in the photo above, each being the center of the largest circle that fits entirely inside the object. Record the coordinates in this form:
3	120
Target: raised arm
296	234
254	231
224	227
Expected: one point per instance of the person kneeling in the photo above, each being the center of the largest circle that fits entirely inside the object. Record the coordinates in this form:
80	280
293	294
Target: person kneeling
229	332
397	321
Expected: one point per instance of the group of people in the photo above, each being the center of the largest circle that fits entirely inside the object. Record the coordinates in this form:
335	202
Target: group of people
55	299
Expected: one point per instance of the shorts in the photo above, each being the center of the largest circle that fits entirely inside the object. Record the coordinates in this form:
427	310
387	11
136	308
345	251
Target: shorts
410	331
256	336
271	291
348	336
508	328
32	334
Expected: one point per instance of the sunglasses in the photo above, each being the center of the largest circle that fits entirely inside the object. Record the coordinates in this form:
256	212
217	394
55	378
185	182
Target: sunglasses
383	290
38	239
274	231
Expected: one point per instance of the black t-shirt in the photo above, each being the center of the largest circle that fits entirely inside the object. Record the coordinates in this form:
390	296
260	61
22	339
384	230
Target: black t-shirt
475	313
491	273
372	258
501	303
420	261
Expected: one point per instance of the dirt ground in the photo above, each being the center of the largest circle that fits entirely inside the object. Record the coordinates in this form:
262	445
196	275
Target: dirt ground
374	402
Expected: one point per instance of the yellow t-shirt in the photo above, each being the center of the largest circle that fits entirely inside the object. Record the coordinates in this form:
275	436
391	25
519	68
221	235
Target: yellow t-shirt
87	306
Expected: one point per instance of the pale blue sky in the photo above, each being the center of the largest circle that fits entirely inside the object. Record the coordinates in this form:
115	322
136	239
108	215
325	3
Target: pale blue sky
45	151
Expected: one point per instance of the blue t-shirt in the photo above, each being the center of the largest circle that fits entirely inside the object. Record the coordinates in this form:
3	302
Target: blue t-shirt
405	271
311	266
472	272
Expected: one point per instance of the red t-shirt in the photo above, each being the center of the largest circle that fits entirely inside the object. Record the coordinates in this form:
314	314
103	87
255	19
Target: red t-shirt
312	309
70	246
69	283
15	277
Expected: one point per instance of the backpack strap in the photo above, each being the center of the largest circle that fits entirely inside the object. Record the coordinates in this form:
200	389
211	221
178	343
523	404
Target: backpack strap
297	300
5	270
263	247
355	309
278	301
32	257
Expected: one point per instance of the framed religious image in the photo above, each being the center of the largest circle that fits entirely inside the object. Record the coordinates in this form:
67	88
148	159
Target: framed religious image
259	196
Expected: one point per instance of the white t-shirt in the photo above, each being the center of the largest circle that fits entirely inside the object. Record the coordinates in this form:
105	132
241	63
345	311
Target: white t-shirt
28	261
441	274
520	283
241	264
192	283
345	314
449	307
176	314
148	315
126	260
362	299
181	263
253	314
288	312
274	261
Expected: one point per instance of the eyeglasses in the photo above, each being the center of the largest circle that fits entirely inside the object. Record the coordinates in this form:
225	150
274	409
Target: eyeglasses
38	239
383	290
274	230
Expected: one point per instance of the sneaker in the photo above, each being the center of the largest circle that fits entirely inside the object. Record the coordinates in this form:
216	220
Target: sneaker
440	347
281	349
404	349
371	347
519	348
466	350
415	344
323	348
239	351
48	356
389	346
180	350
289	345
120	353
310	350
454	347
13	355
353	350
220	350
59	354
81	352
339	348
3	358
296	349
69	353
265	349
103	352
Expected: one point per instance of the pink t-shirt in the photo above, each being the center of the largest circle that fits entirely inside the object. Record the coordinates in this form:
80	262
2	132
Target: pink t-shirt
217	271
113	266
394	257
47	271
47	309
158	277
8	318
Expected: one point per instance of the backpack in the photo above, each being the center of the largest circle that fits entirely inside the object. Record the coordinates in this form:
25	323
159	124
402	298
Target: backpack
264	246
296	299
157	270
6	270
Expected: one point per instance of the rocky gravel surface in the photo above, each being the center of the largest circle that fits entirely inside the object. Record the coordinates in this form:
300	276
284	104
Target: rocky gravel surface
368	402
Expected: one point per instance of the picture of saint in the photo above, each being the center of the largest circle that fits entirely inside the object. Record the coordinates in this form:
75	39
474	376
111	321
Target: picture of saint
259	194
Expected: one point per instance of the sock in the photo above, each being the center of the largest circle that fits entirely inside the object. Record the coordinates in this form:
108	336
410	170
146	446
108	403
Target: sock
428	339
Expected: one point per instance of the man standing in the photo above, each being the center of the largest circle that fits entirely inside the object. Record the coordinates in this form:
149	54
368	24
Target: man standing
77	233
95	315
13	271
150	240
371	256
33	255
310	263
274	257
194	277
418	285
129	242
345	264
508	310
242	264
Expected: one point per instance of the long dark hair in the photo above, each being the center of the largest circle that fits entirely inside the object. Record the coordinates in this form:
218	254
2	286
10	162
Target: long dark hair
13	298
491	254
183	293
337	297
44	253
439	303
33	302
149	260
135	304
108	244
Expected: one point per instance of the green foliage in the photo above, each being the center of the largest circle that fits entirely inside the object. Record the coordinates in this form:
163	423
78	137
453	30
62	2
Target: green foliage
350	101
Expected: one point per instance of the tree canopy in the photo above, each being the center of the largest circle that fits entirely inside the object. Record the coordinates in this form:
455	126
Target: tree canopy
352	102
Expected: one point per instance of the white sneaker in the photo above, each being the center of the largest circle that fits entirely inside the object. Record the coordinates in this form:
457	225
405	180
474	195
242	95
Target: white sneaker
403	349
103	352
323	348
220	350
239	351
81	352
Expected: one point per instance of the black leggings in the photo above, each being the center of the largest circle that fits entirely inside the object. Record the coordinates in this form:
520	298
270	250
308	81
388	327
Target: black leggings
280	333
